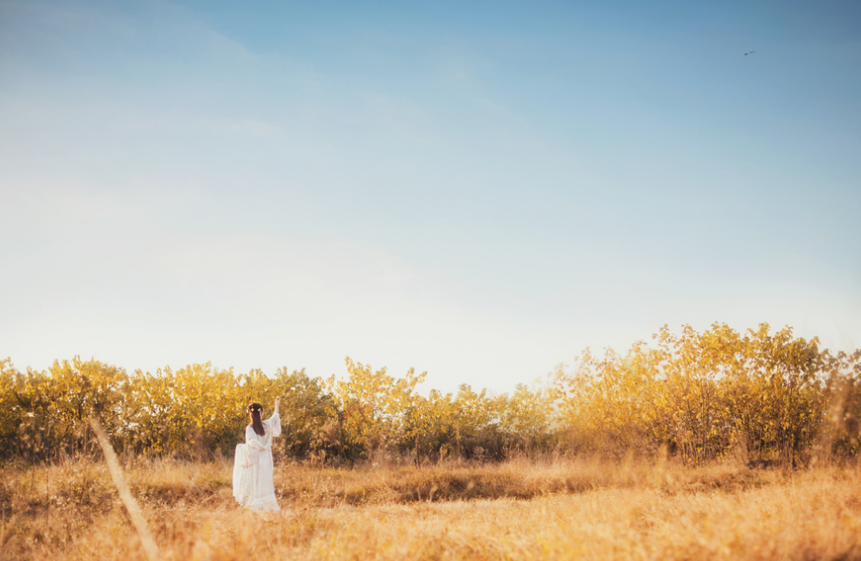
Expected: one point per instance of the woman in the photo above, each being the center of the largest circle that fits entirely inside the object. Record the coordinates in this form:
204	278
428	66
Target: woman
253	486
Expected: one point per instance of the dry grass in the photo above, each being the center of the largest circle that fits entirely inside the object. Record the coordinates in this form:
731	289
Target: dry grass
561	509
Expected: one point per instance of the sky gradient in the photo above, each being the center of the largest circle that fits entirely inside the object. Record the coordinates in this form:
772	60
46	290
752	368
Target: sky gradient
476	189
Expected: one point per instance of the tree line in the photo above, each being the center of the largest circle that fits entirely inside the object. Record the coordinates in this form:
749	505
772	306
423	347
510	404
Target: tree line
766	397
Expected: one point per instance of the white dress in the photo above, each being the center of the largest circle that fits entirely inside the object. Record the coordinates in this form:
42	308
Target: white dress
253	486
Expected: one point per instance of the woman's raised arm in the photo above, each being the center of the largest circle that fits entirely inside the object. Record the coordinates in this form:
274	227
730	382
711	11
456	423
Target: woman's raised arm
274	422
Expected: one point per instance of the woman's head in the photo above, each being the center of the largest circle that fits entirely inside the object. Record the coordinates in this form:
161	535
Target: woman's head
255	410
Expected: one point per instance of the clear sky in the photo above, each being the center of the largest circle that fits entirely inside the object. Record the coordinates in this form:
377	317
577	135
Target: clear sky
476	189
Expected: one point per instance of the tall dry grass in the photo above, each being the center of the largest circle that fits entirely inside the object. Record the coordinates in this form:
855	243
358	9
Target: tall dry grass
522	509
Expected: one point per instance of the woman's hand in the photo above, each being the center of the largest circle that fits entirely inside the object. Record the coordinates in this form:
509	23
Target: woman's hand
277	402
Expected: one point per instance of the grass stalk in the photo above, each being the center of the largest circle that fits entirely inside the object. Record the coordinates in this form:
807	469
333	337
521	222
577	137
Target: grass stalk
149	545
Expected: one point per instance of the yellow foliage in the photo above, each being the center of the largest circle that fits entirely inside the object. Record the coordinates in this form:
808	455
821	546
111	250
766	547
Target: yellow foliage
704	395
766	397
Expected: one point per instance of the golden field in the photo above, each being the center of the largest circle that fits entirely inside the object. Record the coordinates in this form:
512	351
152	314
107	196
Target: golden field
546	508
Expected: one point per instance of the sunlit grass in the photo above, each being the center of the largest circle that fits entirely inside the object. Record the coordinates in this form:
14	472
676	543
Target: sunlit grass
522	509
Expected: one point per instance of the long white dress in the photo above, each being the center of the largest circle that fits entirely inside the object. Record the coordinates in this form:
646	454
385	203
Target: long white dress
253	486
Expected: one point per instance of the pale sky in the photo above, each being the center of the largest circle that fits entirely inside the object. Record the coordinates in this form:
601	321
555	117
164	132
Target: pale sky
476	189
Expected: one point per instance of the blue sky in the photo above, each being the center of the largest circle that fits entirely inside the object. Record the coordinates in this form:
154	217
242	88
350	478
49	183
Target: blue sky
476	189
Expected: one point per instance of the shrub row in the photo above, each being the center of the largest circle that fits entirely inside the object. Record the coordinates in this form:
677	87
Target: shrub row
769	398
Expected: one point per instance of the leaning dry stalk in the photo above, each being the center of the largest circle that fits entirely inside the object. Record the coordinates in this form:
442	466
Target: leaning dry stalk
132	507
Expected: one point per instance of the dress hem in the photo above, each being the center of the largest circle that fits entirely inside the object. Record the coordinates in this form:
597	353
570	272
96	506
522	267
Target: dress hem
263	504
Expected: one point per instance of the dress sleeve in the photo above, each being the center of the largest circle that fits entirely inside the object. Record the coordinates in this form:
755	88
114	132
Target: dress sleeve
273	423
251	448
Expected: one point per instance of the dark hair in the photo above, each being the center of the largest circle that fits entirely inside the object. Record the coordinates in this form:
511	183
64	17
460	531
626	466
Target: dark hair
256	409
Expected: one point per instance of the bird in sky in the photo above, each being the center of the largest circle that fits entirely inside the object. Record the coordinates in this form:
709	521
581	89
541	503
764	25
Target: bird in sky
749	53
